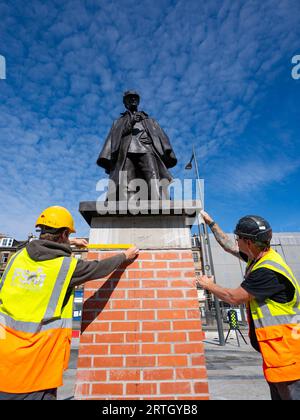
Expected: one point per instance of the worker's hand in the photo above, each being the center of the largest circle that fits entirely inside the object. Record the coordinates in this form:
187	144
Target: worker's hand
131	253
206	217
79	243
205	281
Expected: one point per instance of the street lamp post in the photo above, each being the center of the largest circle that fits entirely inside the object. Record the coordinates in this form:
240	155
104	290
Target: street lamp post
208	264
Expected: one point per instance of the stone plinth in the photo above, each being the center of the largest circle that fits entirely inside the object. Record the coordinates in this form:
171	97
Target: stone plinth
141	331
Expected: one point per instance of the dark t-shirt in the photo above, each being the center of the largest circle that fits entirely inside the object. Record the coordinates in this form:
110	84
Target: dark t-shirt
266	284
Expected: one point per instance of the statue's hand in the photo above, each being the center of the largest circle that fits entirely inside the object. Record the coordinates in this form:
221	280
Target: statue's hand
138	117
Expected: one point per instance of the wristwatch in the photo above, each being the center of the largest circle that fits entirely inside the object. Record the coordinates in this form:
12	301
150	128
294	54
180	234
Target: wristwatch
212	224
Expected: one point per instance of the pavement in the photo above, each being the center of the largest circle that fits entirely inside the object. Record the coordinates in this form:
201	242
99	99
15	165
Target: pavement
234	373
234	370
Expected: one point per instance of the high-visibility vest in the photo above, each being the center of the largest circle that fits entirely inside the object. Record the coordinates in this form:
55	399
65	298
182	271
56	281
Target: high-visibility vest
35	323
277	325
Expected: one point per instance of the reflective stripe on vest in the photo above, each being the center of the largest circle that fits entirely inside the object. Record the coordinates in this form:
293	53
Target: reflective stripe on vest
35	323
57	289
33	327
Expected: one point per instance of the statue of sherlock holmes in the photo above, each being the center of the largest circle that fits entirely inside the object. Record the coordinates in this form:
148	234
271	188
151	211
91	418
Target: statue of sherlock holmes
136	148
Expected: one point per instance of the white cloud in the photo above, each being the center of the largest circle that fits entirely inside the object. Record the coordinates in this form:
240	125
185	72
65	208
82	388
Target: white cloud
201	67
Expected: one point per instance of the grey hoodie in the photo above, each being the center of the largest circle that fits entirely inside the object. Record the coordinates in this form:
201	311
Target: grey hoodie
41	250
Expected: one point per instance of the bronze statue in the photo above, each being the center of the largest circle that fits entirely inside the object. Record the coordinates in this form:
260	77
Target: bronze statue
137	146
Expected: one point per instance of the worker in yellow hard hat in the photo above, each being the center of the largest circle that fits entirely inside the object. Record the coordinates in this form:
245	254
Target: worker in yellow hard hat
36	299
56	217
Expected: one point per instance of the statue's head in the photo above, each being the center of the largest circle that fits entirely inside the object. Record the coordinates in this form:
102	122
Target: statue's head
131	100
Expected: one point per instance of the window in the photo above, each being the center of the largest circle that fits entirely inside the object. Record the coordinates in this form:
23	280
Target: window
6	242
4	257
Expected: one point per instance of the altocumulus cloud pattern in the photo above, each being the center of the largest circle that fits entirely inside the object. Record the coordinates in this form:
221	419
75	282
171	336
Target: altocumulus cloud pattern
216	74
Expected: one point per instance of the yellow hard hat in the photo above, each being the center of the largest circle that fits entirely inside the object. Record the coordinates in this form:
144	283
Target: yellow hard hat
56	217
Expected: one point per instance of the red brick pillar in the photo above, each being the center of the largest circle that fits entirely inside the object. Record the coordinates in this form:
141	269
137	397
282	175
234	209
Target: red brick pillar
141	331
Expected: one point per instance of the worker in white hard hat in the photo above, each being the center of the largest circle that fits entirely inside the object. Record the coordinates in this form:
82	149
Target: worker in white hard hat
36	299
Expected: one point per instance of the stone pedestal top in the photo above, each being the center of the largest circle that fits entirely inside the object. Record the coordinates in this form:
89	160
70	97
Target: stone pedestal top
92	209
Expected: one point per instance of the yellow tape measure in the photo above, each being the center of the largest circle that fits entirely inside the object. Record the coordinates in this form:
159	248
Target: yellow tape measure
109	246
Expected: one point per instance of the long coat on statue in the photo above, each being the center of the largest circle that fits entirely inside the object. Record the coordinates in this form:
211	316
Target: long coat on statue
114	152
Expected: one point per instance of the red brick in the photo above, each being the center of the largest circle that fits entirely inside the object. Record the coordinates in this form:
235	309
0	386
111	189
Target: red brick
140	361
171	314
89	316
171	337
140	294
170	294
108	361
172	361
88	293
95	326
107	389
134	264
154	284
167	256
188	348
196	336
87	338
158	374
140	315
126	304
84	362
155	304
125	375
125	326
201	387
139	337
185	304
187	255
82	389
141	274
193	314
93	305
182	264
156	348
187	325
156	326
154	265
198	360
182	283
191	373
124	348
89	375
88	349
145	256
97	284
170	274
127	284
110	338
192	293
141	388
111	294
189	274
175	388
112	315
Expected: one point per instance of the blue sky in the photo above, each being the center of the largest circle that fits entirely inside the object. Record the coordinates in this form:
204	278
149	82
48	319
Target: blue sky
216	74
